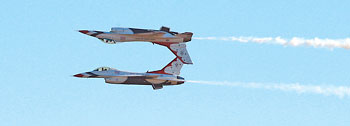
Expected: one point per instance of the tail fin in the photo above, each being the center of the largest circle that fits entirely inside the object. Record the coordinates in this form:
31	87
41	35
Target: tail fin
179	49
173	67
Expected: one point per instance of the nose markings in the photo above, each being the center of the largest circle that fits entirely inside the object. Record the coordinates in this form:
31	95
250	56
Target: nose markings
96	33
78	75
91	33
84	31
91	74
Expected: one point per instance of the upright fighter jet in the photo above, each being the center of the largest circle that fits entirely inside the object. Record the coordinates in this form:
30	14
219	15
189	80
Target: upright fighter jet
173	40
169	75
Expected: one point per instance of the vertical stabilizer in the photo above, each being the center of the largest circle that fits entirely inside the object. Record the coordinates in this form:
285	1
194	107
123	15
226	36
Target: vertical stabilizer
174	67
179	49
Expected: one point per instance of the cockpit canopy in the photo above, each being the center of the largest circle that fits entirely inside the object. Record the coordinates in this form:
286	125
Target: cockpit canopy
120	30
102	69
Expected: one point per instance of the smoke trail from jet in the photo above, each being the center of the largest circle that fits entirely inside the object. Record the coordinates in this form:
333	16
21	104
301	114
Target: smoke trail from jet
295	41
339	91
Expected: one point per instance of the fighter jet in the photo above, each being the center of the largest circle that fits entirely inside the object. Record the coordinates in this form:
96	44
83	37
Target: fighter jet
172	40
169	75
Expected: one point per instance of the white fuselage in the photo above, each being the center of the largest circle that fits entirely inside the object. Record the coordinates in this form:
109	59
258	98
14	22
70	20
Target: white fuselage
114	76
118	34
130	38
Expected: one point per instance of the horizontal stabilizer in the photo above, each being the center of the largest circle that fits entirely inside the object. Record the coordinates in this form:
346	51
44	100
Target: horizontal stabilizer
148	34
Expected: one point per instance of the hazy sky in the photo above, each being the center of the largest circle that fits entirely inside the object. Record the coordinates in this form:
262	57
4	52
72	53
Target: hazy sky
40	50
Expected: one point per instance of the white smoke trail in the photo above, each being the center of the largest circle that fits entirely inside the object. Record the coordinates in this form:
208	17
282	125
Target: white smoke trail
295	41
339	91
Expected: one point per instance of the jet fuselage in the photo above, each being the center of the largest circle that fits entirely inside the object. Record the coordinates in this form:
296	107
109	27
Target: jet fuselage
114	76
119	34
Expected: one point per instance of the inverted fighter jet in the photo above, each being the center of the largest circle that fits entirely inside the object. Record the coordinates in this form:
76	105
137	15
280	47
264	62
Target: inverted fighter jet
169	75
173	40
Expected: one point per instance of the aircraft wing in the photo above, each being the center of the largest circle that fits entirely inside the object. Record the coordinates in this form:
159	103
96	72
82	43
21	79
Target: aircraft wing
133	75
148	34
152	76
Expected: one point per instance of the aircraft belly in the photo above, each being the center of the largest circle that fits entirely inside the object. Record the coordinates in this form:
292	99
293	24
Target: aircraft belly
116	80
139	81
155	81
130	38
168	40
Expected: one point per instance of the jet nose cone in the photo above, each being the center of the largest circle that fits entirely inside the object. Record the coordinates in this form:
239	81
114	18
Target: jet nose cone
78	75
83	31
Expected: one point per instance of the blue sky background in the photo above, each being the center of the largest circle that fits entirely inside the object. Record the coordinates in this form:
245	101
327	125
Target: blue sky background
40	50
